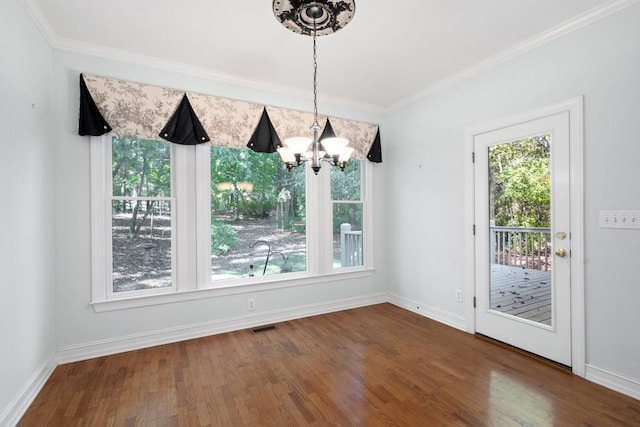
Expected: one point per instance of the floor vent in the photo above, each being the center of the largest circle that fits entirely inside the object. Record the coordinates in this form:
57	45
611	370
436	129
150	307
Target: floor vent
263	329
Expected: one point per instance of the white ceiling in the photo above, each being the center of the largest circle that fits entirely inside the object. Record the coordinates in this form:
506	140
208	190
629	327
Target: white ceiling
392	52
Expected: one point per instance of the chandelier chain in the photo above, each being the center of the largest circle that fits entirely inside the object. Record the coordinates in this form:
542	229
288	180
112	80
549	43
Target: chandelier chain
315	77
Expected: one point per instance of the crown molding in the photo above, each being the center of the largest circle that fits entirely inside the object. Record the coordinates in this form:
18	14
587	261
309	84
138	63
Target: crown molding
91	49
199	72
573	24
41	21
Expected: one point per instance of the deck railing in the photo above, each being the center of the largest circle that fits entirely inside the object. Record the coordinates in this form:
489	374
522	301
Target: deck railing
350	246
526	247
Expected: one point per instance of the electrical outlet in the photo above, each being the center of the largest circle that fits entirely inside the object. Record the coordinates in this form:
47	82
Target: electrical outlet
459	295
251	304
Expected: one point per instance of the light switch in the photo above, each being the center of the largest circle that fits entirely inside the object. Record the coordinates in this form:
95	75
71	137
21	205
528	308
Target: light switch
620	219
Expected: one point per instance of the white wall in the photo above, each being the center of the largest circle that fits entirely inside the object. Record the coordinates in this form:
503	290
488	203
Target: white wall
26	204
426	166
77	323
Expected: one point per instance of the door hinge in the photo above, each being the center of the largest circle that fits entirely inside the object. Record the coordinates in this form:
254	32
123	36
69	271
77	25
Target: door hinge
473	157
474	302
474	229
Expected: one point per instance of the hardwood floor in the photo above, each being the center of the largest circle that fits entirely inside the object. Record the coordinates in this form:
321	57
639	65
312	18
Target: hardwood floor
372	366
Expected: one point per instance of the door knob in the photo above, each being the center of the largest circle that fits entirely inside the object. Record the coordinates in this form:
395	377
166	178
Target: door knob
561	253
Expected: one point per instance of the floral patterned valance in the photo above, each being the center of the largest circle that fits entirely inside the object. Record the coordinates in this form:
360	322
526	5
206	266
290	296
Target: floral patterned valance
146	111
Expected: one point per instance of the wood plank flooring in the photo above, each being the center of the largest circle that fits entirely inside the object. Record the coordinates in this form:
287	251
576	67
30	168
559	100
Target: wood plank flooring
372	366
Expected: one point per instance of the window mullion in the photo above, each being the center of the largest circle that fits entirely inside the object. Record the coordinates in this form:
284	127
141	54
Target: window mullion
184	238
100	251
367	202
203	215
325	241
313	218
107	141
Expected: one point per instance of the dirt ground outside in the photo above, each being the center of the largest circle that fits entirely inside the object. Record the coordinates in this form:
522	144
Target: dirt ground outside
144	262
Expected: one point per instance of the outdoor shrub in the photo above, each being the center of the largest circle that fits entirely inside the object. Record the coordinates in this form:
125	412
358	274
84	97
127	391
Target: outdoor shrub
345	213
223	237
256	206
299	226
287	224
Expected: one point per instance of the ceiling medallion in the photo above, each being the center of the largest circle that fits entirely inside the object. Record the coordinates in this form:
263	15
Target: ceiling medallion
328	16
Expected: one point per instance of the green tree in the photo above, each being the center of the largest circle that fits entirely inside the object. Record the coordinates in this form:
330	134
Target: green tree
246	184
243	182
140	168
346	186
520	182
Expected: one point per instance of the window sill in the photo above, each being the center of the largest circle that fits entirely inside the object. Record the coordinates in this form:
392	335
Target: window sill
223	290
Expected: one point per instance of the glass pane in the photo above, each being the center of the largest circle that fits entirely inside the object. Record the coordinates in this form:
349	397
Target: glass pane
520	239
141	168
141	239
346	185
258	215
347	235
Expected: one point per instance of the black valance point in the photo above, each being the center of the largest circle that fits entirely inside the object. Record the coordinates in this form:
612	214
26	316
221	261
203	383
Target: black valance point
265	138
375	152
184	127
327	132
91	122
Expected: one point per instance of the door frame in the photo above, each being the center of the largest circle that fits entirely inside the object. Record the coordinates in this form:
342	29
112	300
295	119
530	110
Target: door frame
575	108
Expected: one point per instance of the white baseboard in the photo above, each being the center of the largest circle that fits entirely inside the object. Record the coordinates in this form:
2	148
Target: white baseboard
166	336
448	318
619	383
19	405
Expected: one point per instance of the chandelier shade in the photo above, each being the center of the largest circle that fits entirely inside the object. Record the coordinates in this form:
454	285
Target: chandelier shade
346	154
335	145
287	155
298	144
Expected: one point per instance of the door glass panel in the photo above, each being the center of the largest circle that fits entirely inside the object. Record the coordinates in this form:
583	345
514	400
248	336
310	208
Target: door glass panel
520	228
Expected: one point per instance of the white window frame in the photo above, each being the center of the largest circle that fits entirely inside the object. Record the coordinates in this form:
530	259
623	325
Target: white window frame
191	246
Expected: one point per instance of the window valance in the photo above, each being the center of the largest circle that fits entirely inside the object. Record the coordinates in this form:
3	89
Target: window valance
146	111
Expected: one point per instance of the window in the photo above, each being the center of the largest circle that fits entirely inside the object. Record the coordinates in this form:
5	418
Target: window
141	223
258	212
168	218
347	214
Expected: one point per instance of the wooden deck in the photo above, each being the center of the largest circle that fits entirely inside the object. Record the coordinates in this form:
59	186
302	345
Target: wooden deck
521	292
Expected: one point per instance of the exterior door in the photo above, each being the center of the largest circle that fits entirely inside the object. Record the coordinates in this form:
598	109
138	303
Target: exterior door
523	236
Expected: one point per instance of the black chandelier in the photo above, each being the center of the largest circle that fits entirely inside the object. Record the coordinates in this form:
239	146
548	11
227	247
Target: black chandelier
315	18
